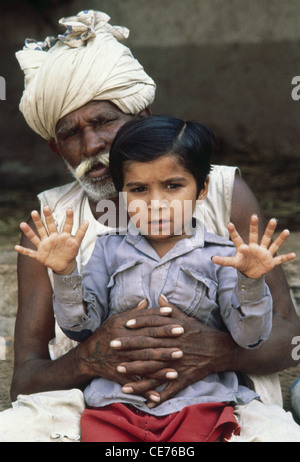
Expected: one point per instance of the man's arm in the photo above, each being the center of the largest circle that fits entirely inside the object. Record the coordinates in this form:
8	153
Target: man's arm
276	353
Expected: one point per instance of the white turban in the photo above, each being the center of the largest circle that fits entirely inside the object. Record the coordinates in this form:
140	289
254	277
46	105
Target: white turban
84	64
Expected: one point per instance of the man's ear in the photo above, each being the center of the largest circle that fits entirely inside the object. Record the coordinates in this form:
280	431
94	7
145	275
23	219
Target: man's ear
204	191
54	147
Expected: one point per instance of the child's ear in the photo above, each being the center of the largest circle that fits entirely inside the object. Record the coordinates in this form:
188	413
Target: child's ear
54	147
204	191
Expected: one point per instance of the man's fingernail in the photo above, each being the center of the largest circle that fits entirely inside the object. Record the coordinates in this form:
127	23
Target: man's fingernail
172	375
127	389
166	310
155	398
164	297
131	322
177	330
142	301
177	354
121	369
151	405
115	344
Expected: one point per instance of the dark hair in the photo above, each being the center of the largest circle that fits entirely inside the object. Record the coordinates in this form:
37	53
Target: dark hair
144	139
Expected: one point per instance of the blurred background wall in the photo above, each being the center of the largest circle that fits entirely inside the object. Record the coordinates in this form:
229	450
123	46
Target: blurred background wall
226	63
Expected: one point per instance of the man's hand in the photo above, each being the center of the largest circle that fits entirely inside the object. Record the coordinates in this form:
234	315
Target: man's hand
136	346
196	362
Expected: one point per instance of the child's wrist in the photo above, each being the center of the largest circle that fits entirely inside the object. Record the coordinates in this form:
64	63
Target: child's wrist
68	270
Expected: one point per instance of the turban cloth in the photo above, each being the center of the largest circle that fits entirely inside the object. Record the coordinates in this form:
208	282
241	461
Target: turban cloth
85	63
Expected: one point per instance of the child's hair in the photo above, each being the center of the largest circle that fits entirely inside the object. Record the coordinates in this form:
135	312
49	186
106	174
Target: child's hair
144	139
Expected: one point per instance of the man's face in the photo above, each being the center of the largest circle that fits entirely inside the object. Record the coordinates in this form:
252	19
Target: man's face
83	140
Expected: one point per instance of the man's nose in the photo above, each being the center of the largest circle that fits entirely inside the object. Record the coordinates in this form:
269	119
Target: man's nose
93	144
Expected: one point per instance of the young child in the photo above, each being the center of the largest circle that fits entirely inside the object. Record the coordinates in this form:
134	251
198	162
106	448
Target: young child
161	165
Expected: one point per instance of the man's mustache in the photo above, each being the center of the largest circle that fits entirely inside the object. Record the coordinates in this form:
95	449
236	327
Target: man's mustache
86	165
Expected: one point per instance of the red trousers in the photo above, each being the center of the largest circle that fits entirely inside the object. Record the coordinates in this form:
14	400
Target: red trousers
206	422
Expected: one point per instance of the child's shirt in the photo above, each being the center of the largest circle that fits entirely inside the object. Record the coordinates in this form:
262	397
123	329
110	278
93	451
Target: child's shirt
125	269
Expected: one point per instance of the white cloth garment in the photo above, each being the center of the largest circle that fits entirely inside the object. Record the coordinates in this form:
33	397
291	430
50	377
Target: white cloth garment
52	416
86	63
265	423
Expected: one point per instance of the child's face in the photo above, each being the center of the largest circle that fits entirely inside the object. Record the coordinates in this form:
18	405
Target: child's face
161	196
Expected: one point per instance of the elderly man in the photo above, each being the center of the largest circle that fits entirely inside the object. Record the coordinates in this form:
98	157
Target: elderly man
79	89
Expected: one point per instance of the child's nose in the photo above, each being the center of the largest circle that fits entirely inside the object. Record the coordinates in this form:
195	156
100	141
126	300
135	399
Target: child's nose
159	203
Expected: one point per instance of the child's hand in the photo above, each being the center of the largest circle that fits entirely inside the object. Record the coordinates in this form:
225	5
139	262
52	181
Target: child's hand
254	259
56	250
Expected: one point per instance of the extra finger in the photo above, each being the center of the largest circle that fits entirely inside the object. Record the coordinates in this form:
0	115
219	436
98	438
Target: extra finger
30	234
68	224
155	326
51	226
284	258
42	232
172	388
81	231
268	234
146	348
235	237
279	241
162	375
224	261
25	251
253	229
154	369
143	387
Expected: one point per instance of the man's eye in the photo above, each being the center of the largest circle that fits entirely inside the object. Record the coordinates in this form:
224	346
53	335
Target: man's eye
68	135
99	122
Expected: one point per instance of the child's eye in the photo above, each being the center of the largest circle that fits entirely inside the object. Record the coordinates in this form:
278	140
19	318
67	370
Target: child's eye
138	189
173	186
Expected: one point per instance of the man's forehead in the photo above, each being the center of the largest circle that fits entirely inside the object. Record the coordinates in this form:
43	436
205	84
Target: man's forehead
90	109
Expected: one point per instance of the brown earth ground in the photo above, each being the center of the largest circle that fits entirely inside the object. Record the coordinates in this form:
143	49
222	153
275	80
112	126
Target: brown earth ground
273	177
